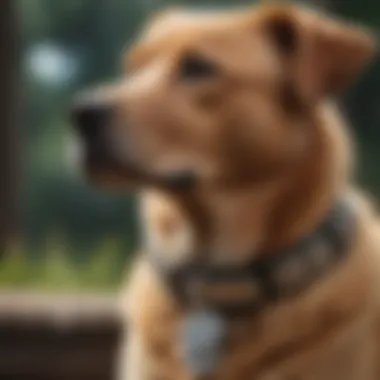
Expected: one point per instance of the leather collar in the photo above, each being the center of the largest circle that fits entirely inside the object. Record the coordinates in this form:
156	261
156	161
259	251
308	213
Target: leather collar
240	290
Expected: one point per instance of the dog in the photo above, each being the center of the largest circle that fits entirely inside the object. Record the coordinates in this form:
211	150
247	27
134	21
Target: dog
259	256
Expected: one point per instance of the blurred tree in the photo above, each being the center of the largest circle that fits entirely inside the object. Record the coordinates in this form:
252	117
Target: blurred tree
362	102
9	132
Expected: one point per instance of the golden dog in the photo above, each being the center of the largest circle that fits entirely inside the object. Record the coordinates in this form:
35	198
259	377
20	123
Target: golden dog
224	122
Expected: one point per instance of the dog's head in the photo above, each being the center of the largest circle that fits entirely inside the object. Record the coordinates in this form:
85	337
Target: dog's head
218	97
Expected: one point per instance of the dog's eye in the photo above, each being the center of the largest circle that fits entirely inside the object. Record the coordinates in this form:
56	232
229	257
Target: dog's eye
194	67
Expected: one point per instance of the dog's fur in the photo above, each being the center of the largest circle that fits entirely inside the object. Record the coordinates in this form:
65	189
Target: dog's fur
271	154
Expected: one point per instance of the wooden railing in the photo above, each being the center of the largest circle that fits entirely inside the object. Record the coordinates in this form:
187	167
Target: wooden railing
57	337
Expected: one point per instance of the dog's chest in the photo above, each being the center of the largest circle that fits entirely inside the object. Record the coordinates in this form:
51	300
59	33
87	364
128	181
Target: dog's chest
246	360
239	360
273	347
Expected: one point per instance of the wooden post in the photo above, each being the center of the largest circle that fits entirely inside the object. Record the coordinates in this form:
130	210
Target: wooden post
9	127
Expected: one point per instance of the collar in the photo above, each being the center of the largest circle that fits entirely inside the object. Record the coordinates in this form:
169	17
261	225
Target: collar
238	290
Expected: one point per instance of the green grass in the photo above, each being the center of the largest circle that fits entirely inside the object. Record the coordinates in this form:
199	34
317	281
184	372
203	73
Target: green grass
54	270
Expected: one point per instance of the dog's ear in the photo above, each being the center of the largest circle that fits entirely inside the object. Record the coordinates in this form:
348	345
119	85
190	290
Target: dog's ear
322	55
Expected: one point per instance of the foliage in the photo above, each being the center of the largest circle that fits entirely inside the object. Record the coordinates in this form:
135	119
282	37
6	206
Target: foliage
54	270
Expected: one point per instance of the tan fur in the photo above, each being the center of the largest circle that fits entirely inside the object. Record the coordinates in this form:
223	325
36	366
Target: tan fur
268	173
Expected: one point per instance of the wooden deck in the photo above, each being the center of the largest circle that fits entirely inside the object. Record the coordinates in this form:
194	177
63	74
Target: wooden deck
57	337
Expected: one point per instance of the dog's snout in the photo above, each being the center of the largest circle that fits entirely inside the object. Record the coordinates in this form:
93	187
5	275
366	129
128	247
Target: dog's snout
90	116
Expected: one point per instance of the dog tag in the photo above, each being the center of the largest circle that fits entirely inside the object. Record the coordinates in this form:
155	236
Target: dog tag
203	338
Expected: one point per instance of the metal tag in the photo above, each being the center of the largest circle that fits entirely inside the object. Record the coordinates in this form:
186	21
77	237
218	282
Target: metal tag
203	338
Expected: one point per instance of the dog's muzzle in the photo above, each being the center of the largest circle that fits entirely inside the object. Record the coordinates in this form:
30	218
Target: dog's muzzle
92	118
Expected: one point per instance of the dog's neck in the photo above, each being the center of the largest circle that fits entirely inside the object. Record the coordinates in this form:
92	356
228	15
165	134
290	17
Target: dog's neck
234	225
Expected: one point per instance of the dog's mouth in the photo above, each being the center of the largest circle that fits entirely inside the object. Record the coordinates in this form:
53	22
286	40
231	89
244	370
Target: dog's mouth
102	165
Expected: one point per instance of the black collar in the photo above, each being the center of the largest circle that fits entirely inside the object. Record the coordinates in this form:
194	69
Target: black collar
238	290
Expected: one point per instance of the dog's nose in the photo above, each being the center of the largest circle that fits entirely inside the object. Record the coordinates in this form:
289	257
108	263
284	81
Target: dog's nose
90	116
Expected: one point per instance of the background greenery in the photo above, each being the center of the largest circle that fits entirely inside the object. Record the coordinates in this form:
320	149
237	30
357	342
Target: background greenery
78	237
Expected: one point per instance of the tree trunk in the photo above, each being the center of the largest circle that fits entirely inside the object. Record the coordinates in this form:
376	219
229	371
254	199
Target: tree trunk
9	131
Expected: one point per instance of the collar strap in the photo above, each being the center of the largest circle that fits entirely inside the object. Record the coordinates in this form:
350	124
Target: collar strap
237	290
